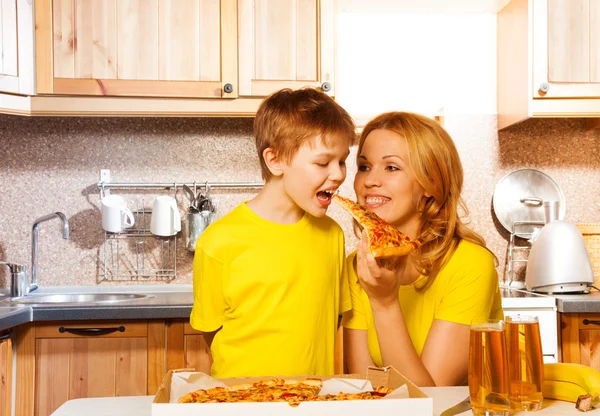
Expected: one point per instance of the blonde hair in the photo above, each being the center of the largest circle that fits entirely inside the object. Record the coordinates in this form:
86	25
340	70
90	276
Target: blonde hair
438	169
288	118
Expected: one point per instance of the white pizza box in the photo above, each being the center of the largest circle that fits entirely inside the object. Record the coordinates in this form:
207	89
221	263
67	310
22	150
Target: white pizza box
415	402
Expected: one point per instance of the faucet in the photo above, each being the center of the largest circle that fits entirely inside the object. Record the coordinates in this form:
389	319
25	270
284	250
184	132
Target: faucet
34	244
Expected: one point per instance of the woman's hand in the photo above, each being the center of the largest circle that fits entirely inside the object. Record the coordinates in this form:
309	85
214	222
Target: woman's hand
380	284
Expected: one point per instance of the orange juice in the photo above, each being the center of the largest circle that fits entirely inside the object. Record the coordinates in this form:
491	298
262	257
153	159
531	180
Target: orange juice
525	362
488	369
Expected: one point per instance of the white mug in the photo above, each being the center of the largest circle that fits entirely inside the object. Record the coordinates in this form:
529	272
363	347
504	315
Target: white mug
115	215
166	220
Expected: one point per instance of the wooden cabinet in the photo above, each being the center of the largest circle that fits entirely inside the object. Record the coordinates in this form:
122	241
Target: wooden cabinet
176	58
548	59
185	347
16	46
58	362
5	373
580	336
285	44
566	53
153	48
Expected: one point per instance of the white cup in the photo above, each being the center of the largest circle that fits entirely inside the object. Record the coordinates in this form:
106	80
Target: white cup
115	215
166	220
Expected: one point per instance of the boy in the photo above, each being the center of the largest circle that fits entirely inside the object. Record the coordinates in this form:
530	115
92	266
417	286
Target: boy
267	276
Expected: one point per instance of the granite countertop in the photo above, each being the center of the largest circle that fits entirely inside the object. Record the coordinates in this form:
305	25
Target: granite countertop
175	301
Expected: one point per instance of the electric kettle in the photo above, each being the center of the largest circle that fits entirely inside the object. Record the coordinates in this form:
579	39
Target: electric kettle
558	260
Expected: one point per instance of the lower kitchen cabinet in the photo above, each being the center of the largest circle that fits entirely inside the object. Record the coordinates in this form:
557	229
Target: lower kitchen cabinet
5	373
60	361
580	337
186	348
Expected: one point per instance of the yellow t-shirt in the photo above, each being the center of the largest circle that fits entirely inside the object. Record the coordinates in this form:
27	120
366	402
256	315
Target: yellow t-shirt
464	290
275	289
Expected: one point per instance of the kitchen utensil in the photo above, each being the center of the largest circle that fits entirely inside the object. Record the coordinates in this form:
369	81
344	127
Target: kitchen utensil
115	215
191	195
458	408
195	223
558	261
488	368
165	220
519	196
525	362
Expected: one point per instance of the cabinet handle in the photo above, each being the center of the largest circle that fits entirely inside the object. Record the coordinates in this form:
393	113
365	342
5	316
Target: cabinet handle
544	88
589	322
91	331
5	336
326	86
228	88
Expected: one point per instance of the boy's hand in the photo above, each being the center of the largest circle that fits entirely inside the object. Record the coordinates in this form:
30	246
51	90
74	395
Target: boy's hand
380	283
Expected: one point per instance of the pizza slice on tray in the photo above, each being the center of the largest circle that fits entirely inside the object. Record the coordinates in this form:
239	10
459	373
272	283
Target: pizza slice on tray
384	240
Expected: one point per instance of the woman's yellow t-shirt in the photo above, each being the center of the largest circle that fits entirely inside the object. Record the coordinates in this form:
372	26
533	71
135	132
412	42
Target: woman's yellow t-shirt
275	290
464	290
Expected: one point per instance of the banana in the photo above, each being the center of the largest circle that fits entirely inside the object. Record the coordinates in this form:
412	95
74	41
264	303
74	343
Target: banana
568	381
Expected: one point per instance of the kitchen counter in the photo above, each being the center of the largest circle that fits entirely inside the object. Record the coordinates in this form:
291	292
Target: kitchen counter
175	301
581	303
443	398
11	317
165	301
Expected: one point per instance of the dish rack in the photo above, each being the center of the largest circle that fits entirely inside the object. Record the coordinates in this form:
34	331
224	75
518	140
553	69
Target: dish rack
137	254
513	248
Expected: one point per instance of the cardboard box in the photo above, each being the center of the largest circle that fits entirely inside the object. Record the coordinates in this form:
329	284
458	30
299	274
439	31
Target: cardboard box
417	404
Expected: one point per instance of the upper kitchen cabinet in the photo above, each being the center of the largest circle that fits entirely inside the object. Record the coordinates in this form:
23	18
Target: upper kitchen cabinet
548	59
285	44
16	46
152	48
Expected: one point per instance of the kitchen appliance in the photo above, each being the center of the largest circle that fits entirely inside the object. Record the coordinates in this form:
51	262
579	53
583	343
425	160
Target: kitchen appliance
558	260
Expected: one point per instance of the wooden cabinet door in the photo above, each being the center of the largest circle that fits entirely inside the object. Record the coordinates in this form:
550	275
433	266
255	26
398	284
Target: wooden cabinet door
566	48
580	335
57	362
186	348
285	44
5	374
16	46
70	368
158	48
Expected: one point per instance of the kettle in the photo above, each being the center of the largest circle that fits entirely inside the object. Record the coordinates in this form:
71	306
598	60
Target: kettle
558	260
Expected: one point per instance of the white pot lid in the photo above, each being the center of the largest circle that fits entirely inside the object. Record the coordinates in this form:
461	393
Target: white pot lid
519	196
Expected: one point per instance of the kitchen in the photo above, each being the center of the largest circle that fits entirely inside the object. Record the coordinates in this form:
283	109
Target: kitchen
53	163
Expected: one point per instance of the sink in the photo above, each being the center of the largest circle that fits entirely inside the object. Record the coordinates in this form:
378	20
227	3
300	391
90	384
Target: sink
80	298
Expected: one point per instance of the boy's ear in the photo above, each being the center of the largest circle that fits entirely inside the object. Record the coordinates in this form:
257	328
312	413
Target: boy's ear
272	161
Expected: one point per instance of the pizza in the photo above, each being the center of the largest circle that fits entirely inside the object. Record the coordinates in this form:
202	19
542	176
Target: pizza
276	390
384	240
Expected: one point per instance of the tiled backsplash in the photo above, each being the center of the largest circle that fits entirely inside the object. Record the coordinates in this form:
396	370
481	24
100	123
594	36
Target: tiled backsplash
53	164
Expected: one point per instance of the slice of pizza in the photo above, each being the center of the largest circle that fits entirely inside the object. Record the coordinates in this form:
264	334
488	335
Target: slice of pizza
384	240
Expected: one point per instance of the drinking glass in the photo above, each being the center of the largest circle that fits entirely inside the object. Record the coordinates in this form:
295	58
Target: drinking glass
525	362
488	369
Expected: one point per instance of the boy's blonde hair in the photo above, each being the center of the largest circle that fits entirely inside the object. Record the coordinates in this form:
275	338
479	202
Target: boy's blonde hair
288	118
438	169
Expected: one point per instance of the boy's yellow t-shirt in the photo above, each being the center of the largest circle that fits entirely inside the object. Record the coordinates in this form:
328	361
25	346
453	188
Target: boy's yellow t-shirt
464	290
275	290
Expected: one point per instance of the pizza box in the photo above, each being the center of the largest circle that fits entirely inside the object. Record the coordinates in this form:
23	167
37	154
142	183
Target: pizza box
417	403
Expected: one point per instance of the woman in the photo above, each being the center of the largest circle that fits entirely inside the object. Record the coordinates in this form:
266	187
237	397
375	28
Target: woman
416	317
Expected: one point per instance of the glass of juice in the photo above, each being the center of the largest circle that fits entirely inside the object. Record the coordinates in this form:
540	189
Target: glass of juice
525	362
488	369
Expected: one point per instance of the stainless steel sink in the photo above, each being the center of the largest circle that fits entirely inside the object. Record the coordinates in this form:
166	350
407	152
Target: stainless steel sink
81	298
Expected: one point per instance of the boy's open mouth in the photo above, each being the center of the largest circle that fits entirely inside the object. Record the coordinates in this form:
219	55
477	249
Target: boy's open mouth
325	195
